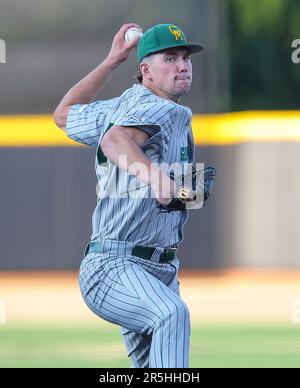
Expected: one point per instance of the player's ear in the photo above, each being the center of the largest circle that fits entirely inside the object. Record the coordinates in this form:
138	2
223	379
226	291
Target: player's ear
145	71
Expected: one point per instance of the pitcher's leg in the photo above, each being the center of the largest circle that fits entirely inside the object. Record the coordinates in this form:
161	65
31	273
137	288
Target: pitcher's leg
138	347
171	335
123	292
168	346
113	298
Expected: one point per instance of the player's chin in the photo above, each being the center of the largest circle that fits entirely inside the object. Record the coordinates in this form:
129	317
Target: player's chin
183	90
183	86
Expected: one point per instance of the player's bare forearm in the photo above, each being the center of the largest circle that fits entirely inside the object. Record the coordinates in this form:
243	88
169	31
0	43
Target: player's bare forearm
86	89
126	153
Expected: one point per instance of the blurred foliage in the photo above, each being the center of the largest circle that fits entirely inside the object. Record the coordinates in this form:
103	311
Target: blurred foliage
262	73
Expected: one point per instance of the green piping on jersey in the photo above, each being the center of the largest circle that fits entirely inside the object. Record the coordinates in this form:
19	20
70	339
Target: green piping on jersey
101	158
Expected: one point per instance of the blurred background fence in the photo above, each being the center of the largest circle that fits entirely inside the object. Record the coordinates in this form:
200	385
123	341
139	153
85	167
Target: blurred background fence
246	106
48	185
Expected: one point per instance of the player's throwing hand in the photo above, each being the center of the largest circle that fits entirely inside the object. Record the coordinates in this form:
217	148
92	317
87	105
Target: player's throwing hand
121	49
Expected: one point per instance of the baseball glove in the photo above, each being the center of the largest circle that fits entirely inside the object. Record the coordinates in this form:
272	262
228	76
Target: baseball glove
193	189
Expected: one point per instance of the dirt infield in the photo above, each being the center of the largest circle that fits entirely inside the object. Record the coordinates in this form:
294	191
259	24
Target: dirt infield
231	296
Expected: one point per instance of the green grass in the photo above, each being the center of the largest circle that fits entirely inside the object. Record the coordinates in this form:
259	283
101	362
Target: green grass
227	347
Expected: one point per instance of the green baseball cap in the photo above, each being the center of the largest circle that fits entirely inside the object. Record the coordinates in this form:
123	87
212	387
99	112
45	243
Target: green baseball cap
164	36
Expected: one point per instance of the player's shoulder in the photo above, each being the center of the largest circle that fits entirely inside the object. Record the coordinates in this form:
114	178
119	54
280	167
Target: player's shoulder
146	100
139	101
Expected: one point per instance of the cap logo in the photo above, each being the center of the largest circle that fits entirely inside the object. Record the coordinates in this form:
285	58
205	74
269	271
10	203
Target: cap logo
176	32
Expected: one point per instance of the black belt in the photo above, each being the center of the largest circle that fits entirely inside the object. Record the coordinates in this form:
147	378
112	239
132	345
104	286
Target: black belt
141	251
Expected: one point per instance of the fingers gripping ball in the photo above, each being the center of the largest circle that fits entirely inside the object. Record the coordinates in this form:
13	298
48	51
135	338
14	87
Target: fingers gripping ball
131	33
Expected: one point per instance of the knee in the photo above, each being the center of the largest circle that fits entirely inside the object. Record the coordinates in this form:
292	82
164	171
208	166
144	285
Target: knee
178	312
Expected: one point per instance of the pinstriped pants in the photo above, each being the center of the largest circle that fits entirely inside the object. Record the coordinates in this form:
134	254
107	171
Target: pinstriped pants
141	296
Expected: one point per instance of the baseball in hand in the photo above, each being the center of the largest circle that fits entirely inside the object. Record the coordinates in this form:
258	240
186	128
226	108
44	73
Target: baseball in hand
131	33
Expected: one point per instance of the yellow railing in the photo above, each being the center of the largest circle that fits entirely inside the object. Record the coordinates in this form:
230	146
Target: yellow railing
221	129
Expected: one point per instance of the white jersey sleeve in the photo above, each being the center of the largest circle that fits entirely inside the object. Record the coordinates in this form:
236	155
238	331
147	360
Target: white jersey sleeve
86	122
149	117
155	119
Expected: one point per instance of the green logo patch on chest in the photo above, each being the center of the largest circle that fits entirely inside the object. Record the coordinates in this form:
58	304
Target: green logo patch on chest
184	154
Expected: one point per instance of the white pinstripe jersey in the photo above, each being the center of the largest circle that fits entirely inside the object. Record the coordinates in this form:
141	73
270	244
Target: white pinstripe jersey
135	218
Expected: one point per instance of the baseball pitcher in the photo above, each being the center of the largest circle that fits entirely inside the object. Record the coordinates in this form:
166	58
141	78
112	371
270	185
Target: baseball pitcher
147	182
